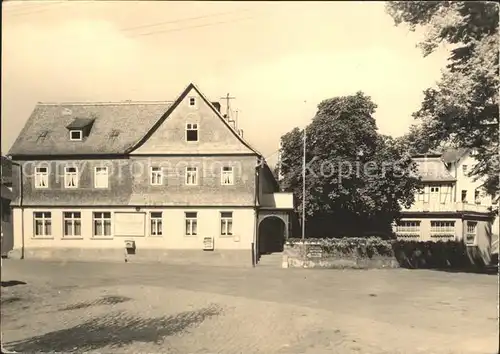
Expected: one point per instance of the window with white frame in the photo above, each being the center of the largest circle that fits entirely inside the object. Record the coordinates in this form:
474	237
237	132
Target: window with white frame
72	224
75	135
464	196
191	223
41	177
101	177
477	196
434	190
192	176
227	175
226	223
445	227
102	224
156	176
445	195
156	223
70	177
464	169
421	195
43	223
192	101
408	227
470	235
191	132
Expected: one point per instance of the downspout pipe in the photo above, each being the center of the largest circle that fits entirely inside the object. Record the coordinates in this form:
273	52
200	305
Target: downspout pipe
256	213
21	192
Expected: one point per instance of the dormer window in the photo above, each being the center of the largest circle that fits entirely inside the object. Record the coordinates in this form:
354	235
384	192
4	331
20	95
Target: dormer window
80	128
75	135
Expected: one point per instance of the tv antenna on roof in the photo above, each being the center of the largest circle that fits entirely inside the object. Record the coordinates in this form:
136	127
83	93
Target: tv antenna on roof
227	98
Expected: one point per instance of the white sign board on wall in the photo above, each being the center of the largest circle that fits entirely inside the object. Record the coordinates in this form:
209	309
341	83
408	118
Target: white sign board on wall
130	224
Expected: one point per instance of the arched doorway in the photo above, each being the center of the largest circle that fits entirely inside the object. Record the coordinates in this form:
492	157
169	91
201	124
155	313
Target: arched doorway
272	235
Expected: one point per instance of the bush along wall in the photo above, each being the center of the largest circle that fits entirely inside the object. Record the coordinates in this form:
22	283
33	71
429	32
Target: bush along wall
375	252
437	255
346	252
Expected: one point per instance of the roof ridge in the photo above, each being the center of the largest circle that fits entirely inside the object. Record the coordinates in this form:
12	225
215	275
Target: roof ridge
102	103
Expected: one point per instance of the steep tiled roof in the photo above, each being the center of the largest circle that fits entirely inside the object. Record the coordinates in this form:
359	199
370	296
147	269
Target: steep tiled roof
453	155
210	104
6	193
432	169
117	127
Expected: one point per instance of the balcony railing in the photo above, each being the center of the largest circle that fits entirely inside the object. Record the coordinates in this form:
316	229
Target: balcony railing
420	206
408	236
442	236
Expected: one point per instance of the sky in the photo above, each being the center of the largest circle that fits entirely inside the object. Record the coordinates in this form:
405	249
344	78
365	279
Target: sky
278	59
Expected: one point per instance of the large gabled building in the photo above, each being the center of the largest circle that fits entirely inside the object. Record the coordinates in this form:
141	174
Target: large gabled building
169	181
451	205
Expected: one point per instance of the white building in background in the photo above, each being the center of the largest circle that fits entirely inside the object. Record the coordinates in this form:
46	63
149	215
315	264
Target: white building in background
452	205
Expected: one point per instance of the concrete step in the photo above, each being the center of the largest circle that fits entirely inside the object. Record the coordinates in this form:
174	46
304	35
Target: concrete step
274	259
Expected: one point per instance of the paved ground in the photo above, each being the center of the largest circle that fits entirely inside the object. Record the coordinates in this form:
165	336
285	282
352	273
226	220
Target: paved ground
130	308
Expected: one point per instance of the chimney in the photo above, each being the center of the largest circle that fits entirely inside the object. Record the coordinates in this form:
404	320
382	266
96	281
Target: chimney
216	105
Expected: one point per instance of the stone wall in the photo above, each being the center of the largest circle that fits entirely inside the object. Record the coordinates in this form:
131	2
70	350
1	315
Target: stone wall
313	256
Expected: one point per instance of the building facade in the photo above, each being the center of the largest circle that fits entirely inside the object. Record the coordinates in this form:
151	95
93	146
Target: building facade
451	205
6	197
164	181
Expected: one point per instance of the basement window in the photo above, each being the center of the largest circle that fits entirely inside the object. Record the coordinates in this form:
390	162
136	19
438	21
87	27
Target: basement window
75	135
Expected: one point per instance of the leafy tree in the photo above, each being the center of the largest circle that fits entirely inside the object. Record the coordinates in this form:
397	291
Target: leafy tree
353	174
463	108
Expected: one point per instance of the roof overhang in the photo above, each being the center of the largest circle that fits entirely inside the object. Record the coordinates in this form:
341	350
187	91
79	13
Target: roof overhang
278	200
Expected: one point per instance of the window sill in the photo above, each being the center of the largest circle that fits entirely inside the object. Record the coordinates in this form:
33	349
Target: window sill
42	237
191	236
71	238
155	236
101	237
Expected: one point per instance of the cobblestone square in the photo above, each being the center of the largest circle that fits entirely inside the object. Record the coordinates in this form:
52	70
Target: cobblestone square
158	308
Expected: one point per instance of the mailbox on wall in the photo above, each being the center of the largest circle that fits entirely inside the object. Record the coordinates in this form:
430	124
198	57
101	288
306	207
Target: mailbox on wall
208	243
129	244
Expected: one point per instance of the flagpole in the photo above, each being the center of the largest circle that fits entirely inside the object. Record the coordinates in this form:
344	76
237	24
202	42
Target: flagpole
304	188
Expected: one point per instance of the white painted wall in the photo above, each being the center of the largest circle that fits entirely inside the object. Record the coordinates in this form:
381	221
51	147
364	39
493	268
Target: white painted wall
468	184
173	230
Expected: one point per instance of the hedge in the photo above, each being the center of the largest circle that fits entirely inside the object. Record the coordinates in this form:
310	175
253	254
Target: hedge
409	254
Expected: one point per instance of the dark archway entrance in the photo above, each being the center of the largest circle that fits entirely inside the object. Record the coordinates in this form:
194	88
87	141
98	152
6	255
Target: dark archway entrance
272	235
